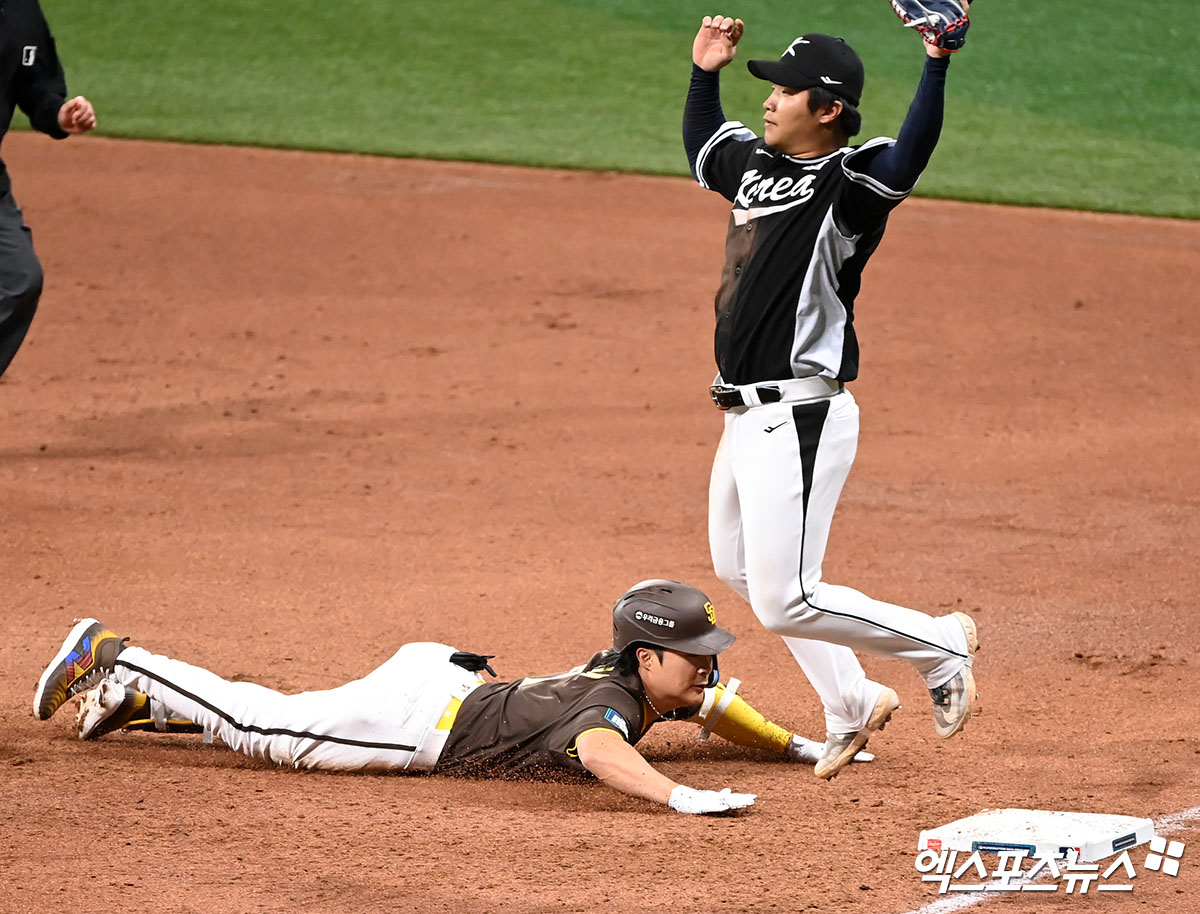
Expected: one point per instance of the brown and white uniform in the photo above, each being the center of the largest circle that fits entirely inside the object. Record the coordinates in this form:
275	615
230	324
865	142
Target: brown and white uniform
418	711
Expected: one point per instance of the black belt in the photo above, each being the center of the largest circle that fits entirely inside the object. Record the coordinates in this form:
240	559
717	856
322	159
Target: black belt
729	397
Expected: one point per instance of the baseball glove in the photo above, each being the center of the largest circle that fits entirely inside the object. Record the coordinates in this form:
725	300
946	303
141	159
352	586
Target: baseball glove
942	23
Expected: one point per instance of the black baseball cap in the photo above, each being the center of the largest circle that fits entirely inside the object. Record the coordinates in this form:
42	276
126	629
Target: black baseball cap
671	615
816	60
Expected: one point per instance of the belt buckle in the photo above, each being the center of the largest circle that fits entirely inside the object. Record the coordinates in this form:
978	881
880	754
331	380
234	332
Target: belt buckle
715	392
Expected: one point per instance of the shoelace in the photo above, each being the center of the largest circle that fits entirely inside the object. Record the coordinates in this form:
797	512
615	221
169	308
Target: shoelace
93	676
86	681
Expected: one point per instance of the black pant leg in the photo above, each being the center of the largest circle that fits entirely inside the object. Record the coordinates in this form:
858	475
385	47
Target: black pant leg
20	278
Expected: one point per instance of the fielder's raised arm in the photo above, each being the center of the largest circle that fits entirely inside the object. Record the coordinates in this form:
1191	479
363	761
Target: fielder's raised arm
809	209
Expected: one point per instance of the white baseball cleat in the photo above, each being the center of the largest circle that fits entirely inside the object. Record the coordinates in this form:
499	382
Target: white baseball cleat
107	707
955	699
808	751
840	748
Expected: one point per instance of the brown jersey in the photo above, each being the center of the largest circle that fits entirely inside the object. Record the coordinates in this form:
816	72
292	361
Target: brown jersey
534	722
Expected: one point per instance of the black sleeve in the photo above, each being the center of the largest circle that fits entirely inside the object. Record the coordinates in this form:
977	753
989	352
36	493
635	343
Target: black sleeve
40	87
702	113
717	149
900	165
883	173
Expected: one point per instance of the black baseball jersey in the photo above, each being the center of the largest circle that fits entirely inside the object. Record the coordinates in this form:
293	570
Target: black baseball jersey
30	74
534	722
800	233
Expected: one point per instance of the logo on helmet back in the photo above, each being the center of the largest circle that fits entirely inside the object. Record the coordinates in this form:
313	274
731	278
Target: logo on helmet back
656	620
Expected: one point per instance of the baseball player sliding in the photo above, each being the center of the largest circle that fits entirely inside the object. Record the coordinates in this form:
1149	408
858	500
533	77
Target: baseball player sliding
428	707
808	212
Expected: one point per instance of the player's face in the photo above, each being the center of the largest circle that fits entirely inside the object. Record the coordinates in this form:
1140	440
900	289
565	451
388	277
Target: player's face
788	124
678	677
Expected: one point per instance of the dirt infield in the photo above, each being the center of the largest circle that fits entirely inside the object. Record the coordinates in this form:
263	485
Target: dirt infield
283	412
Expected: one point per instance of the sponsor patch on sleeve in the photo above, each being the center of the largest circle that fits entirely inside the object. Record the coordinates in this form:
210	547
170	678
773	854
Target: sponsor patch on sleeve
614	718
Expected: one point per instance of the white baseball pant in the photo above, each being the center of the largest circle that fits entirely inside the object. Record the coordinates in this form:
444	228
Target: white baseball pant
396	717
776	479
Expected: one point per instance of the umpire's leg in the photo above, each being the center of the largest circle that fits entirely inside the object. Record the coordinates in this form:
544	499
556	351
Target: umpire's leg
20	278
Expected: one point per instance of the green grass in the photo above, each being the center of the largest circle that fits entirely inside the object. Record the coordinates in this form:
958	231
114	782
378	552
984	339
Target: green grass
1097	111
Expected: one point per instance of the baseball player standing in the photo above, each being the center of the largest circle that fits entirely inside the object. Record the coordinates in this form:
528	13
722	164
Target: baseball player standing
428	708
31	78
808	212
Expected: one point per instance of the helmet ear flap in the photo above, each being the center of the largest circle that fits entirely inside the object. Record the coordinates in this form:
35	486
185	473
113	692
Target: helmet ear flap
714	675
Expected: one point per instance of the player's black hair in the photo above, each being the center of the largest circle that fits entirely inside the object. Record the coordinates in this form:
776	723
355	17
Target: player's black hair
627	662
849	120
624	663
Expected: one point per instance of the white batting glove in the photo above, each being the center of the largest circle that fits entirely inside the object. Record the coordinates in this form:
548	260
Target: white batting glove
808	752
696	802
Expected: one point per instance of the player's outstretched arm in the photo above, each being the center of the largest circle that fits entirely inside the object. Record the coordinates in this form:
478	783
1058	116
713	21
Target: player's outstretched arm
731	717
898	166
716	42
713	49
619	765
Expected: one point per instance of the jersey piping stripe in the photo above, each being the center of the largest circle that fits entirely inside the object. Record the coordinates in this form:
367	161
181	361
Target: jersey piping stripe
264	731
724	132
809	421
573	749
867	181
871	184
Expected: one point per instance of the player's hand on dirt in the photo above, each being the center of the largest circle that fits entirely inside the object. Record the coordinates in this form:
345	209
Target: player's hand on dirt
808	752
77	115
697	802
716	42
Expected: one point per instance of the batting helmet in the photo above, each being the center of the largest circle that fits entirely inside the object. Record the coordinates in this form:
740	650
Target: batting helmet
668	614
